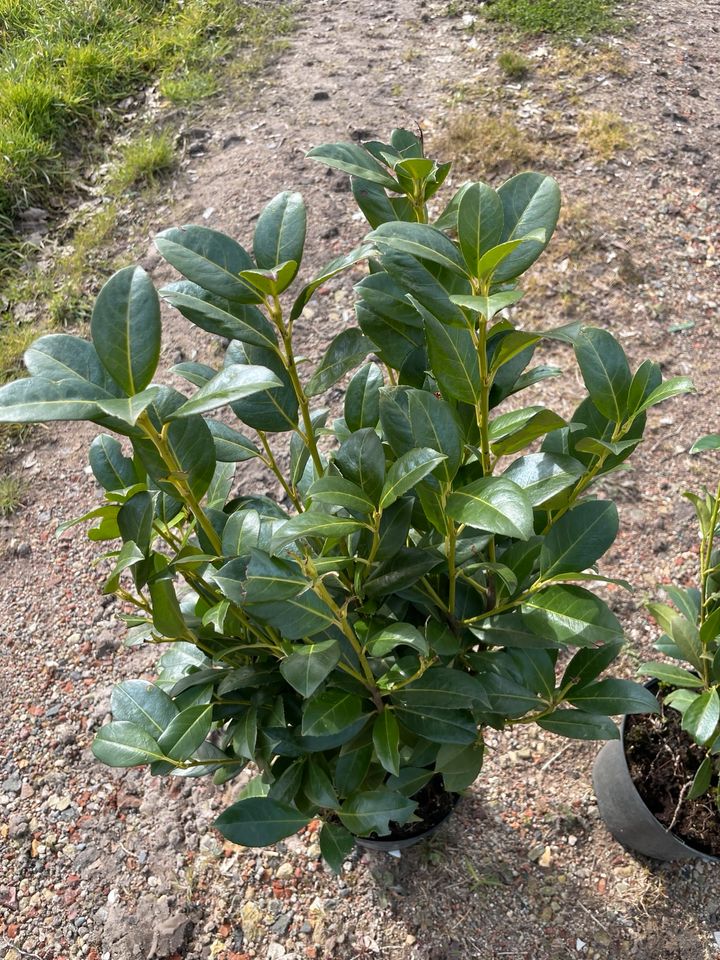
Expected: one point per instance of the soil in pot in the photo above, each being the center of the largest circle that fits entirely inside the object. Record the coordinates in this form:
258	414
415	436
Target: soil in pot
662	759
434	805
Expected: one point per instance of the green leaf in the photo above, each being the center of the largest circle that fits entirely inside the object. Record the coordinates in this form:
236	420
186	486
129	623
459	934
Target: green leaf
492	261
454	361
442	688
196	373
459	765
342	493
510	346
508	697
420	240
531	201
209	259
711	441
125	744
371	811
58	356
406	472
271	283
318	787
296	617
231	446
35	400
541	476
684	634
702	779
353	763
167	616
373	201
245	734
336	844
135	519
395	635
673	387
218	316
417	418
493	504
605	370
110	467
186	732
125	328
259	821
329	270
353	159
438	725
272	578
192	447
670	673
313	523
386	740
309	665
579	538
579	725
410	780
129	409
589	662
490	305
479	223
612	696
143	704
513	431
701	718
362	398
570	614
280	231
330	712
361	460
346	350
231	384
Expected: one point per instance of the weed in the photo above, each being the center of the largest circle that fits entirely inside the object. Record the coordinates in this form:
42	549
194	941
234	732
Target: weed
487	144
564	18
143	161
513	65
604	133
189	87
11	494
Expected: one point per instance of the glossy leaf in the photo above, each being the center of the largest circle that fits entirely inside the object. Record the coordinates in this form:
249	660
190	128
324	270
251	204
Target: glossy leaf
605	370
353	159
361	460
454	361
219	316
111	468
58	356
231	384
186	732
135	519
421	241
362	398
479	223
406	472
231	446
372	810
579	538
336	844
318	787
341	493
579	725
613	696
125	328
589	662
344	353
309	665
395	635
259	821
386	740
542	476
296	617
210	259
671	674
570	614
35	400
125	744
702	717
460	766
493	504
329	712
280	231
143	704
338	265
314	524
531	201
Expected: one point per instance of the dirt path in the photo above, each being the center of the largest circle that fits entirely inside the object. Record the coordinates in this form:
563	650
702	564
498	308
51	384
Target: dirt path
114	865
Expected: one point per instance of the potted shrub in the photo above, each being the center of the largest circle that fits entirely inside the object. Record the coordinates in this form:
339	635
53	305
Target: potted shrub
657	787
432	558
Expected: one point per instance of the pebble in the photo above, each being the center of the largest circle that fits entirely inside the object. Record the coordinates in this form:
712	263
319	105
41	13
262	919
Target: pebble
251	919
285	871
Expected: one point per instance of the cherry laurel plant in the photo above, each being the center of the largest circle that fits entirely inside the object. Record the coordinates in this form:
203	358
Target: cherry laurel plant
431	558
692	636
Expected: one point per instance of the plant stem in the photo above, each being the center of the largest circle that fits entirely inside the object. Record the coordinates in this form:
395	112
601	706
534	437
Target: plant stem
271	463
177	479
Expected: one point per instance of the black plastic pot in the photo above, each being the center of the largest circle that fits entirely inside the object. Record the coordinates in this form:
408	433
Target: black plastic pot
389	844
624	811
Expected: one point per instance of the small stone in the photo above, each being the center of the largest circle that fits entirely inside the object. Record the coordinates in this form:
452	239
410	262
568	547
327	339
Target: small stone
285	871
536	852
321	95
105	644
546	859
276	951
11	785
251	919
280	927
314	851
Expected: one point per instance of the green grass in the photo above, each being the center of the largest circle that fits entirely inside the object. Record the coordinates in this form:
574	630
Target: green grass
11	494
564	18
143	161
64	62
513	65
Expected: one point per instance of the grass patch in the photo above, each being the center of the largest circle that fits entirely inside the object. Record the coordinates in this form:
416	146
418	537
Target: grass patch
64	62
513	65
563	18
604	133
486	145
11	494
143	161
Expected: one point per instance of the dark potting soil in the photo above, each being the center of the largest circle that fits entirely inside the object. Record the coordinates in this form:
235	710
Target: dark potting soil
661	759
434	804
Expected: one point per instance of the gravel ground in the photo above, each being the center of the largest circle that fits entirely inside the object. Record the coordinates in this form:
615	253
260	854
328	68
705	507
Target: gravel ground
116	865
